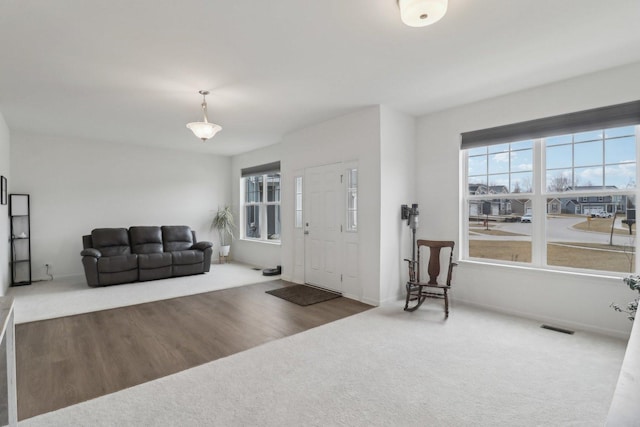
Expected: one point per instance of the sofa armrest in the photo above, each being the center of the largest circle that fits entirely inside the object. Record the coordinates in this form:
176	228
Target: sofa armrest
201	246
91	252
90	264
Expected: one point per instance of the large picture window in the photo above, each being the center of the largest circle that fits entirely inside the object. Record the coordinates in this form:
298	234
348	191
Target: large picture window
260	195
565	201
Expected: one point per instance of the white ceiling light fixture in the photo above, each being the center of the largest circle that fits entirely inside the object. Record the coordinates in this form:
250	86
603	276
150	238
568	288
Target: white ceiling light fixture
204	130
420	13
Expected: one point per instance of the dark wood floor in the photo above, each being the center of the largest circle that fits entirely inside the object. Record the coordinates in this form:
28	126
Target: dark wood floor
71	359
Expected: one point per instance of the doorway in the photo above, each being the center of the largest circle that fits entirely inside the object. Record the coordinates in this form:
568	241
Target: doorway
326	232
323	214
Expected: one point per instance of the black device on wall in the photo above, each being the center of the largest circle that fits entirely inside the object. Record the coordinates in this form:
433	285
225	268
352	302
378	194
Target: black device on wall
20	221
3	190
411	215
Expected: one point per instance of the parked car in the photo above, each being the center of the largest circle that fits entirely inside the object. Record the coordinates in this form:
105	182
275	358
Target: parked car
526	218
601	214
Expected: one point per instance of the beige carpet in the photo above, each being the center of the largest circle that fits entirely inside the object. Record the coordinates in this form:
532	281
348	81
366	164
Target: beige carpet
71	295
384	367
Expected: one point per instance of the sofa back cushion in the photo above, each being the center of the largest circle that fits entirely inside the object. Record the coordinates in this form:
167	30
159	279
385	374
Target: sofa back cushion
111	241
146	240
176	238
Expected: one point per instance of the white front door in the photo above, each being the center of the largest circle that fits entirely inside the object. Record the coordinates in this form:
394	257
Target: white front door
323	214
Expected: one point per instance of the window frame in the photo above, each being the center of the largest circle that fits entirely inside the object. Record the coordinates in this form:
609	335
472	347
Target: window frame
262	205
351	190
539	197
298	202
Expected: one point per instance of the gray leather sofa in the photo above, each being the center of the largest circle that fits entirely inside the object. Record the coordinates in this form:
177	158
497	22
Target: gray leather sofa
116	255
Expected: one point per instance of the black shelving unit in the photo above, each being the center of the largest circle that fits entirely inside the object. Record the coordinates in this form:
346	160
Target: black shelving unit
20	239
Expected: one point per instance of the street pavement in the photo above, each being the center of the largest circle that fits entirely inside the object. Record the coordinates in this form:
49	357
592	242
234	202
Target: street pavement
559	229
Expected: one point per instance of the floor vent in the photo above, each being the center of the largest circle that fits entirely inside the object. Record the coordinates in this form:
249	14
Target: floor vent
553	328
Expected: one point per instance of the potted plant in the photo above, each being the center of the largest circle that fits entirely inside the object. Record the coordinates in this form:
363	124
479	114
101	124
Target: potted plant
223	222
634	284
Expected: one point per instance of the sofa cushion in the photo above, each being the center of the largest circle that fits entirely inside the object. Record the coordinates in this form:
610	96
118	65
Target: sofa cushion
118	277
186	270
187	257
118	263
176	237
111	241
147	261
146	240
155	273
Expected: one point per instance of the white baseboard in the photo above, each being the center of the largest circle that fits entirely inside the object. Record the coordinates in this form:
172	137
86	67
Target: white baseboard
399	297
531	316
361	299
67	277
369	302
288	278
548	320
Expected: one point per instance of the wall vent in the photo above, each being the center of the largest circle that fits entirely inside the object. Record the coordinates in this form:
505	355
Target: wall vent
556	329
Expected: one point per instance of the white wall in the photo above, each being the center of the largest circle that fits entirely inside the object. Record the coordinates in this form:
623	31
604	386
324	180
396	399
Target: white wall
78	184
260	254
5	152
397	187
352	137
382	143
566	299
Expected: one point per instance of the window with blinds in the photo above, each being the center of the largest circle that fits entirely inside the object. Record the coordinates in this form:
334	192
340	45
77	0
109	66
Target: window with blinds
260	196
555	193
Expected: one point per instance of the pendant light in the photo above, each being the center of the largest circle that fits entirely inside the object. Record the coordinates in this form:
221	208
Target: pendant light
204	130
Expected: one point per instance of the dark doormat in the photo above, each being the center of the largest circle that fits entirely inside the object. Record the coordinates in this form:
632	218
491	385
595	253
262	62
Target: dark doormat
303	295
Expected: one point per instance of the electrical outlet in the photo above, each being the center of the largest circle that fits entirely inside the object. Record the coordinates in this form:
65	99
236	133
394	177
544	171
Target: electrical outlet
48	270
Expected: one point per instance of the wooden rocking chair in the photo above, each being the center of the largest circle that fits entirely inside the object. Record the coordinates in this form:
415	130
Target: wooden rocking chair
419	291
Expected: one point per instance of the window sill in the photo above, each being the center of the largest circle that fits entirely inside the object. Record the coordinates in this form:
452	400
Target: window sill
595	274
264	242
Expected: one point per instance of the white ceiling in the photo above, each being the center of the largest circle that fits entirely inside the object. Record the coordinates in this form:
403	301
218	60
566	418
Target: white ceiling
129	71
